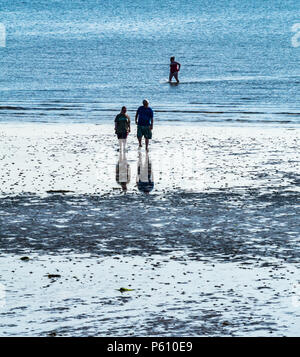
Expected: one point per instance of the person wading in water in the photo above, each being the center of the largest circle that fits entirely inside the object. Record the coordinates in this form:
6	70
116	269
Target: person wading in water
174	69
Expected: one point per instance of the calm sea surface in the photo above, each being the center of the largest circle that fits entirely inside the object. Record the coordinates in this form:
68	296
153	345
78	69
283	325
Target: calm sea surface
80	61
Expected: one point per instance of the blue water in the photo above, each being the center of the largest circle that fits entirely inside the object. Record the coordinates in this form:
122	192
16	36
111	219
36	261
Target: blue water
80	61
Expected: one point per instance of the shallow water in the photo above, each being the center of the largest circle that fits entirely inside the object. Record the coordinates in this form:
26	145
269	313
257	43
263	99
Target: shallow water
80	62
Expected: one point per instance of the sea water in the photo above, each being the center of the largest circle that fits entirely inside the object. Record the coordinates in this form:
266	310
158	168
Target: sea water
81	61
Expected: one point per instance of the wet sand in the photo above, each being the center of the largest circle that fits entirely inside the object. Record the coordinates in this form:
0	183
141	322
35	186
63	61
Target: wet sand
213	250
82	158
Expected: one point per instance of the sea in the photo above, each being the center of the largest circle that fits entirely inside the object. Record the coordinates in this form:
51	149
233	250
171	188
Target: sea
81	61
217	260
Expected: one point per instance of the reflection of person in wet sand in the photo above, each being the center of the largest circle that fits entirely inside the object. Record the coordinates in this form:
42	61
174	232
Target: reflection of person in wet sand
144	177
123	171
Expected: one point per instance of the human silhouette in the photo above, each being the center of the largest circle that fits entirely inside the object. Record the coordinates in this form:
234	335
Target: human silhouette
123	171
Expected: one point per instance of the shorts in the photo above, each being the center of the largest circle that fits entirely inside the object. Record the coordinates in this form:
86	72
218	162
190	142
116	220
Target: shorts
122	135
144	131
173	74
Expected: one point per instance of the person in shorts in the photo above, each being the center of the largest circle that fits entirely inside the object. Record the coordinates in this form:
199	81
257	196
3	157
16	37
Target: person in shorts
144	122
174	69
122	127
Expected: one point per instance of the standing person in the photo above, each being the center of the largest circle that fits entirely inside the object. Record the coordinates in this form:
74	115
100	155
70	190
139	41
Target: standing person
144	122
174	69
122	127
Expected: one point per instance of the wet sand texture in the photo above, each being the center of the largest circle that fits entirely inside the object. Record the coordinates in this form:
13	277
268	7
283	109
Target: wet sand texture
213	250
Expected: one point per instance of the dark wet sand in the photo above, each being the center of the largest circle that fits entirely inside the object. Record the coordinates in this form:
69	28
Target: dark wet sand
212	251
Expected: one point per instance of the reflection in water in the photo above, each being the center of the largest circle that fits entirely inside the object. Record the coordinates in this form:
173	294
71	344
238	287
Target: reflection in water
144	177
123	171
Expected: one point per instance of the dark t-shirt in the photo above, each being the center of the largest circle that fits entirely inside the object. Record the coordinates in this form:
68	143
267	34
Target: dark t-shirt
174	67
122	123
144	116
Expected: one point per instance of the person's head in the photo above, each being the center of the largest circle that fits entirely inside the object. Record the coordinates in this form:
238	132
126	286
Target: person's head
123	110
145	103
172	59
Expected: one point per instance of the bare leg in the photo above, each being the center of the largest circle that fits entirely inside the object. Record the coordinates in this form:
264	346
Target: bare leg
147	143
140	142
170	77
176	77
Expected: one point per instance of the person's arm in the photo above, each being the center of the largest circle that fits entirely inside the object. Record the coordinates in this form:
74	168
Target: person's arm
151	121
116	124
179	65
136	116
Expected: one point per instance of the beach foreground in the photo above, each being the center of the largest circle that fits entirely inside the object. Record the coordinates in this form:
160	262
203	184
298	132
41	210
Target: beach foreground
212	250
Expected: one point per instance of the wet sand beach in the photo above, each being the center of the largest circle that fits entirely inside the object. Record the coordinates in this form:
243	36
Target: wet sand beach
81	158
213	250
